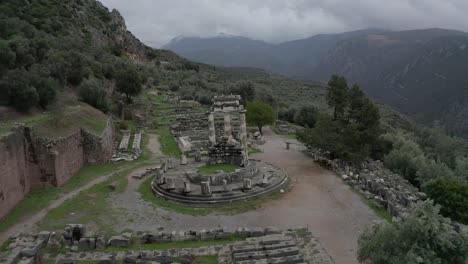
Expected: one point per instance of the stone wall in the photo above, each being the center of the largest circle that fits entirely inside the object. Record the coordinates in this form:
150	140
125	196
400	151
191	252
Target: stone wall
29	162
14	170
99	149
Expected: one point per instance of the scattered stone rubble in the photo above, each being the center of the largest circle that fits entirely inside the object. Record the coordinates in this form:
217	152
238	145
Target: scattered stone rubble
388	190
260	245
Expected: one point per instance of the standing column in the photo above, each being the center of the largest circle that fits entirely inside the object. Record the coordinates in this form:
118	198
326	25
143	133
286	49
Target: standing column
211	129
227	125
243	134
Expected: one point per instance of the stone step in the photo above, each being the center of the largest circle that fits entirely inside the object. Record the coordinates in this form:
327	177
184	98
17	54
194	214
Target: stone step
248	248
295	259
274	253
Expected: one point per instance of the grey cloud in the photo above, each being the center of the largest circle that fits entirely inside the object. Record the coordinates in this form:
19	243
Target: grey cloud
156	22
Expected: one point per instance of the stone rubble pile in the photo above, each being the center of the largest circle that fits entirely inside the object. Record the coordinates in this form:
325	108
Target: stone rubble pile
388	190
258	245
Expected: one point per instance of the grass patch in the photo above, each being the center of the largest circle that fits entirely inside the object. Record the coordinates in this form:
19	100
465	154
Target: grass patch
206	260
63	121
4	246
232	209
292	136
254	150
382	213
168	144
89	205
131	125
211	169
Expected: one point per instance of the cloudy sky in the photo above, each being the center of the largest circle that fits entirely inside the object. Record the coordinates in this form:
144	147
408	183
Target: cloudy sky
156	22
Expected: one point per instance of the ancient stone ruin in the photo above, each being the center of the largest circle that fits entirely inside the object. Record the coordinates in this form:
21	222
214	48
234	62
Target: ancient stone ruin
257	245
251	179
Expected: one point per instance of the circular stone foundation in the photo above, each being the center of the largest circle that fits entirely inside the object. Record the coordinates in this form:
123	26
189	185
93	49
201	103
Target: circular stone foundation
255	180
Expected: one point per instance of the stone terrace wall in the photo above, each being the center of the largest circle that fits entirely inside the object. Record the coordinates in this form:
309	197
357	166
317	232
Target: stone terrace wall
14	170
99	149
28	162
68	157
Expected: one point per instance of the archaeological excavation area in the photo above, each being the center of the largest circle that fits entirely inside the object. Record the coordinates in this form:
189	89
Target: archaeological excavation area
213	169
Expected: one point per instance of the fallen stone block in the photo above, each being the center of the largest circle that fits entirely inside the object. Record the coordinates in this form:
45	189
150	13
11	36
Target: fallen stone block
119	241
257	232
28	252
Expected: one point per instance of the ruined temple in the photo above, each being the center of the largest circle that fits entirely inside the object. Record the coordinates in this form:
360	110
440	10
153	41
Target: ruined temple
225	148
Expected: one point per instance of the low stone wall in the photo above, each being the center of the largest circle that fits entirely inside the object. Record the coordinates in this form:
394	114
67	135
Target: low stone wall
388	190
257	245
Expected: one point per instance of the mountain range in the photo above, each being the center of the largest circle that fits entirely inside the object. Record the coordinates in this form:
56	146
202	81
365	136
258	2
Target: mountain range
421	73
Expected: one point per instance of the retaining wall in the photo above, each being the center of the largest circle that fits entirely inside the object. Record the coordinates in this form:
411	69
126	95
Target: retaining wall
28	162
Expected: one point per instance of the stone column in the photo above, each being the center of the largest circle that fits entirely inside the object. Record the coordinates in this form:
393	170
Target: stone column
205	188
211	129
227	125
186	186
243	135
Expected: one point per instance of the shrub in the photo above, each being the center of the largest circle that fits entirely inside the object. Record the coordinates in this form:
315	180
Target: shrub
452	195
424	236
91	91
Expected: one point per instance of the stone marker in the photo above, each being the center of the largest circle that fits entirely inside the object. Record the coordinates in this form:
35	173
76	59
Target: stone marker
225	186
170	184
183	160
247	184
164	167
288	145
205	188
170	163
53	241
186	186
265	180
198	157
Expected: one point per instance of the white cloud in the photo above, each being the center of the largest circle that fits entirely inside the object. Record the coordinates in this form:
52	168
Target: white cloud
156	22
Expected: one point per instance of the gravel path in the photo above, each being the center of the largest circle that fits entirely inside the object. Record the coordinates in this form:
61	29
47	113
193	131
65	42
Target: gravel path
318	200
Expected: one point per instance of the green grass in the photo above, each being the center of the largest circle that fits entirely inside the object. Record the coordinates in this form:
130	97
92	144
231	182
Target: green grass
29	121
4	246
254	150
292	136
211	169
168	144
131	125
232	209
90	205
382	213
206	260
